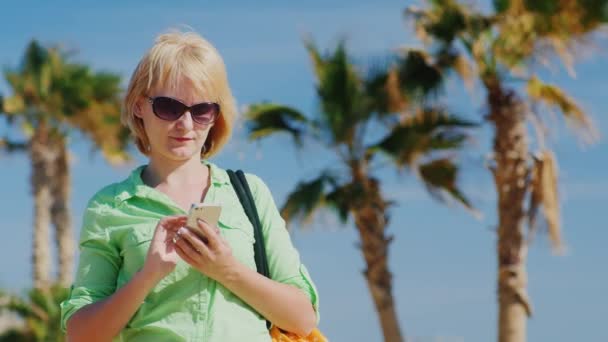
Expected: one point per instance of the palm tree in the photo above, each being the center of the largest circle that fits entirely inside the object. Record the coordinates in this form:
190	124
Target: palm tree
419	138
500	50
40	312
50	98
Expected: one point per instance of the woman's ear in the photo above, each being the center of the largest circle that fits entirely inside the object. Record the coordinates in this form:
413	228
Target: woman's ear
139	108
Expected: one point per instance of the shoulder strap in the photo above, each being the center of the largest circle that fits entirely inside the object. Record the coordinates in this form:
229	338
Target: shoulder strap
241	187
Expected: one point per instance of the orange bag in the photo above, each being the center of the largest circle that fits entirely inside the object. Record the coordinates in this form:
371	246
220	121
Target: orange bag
279	335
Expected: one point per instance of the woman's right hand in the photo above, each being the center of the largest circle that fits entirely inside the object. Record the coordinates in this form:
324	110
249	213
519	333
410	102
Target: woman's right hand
162	257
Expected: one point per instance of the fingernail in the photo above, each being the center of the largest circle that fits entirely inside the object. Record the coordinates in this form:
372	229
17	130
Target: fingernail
181	230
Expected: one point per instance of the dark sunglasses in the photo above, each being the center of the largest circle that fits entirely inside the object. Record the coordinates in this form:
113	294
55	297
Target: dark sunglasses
169	109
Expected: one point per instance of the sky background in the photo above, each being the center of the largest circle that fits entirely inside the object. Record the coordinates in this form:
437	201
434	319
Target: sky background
442	258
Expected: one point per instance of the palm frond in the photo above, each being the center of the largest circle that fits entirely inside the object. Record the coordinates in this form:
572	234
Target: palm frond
341	97
501	6
307	198
464	69
544	193
527	28
384	91
318	62
11	146
554	97
342	199
418	76
265	119
105	86
89	102
430	131
442	21
12	105
101	123
48	88
440	177
40	311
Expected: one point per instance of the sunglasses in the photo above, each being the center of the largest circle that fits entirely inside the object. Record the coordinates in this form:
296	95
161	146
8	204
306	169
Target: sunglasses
170	109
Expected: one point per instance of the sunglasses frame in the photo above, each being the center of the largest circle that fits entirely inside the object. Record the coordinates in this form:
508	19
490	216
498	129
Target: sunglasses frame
187	108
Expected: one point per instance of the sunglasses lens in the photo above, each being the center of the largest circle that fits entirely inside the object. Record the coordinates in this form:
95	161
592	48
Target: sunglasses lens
167	108
205	113
170	109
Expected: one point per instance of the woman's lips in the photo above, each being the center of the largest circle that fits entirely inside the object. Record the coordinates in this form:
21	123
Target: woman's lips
182	139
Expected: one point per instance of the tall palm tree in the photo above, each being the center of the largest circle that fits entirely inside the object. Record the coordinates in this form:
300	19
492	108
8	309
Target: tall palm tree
501	51
420	138
51	98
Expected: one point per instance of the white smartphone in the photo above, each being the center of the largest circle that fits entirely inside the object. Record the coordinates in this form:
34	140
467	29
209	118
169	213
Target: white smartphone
209	213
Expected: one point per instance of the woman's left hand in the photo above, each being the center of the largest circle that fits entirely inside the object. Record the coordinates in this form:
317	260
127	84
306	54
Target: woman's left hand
213	257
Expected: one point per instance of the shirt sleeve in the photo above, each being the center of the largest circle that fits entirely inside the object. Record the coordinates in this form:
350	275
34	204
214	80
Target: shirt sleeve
98	265
283	258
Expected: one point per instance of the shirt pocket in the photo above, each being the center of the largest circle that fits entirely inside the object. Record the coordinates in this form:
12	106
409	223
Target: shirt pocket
135	249
134	252
238	232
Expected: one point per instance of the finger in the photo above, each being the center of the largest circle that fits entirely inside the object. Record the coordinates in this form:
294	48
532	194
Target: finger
182	254
188	249
211	234
173	238
173	223
176	235
194	240
168	220
170	238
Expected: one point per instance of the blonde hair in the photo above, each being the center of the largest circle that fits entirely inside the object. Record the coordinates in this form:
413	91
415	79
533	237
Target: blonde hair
175	55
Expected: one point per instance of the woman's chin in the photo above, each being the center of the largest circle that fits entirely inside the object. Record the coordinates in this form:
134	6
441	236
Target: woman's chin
183	153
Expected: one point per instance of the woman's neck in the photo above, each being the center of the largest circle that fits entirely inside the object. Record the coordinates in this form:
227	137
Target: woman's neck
174	174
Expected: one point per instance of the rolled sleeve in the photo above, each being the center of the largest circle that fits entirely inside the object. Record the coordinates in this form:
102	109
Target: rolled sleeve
98	265
283	258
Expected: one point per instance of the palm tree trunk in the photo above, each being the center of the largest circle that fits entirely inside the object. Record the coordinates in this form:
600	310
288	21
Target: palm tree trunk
510	176
371	221
60	212
41	160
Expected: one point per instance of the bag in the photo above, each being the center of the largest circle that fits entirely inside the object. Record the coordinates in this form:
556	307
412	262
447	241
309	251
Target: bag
239	182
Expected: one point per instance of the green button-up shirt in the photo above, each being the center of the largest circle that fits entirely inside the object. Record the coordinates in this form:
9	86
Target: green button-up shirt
118	225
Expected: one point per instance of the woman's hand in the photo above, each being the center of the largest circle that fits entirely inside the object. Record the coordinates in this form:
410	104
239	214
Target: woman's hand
162	257
212	257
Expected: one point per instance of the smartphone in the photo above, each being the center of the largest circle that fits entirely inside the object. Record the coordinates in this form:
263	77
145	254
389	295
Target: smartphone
209	213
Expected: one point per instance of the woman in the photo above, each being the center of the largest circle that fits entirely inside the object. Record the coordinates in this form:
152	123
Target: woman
143	277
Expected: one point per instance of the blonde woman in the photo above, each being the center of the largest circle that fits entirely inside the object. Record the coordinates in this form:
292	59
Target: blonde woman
141	276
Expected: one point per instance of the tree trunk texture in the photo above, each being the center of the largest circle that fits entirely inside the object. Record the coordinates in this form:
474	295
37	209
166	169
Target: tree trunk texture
511	173
60	213
41	156
371	221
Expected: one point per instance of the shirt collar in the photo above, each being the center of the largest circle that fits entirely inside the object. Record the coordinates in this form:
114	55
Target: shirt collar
219	176
134	186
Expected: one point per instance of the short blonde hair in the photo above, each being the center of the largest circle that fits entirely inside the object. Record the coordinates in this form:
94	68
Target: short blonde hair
175	55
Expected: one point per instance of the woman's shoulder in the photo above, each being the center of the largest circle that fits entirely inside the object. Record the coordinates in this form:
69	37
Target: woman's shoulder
220	174
259	188
105	195
109	195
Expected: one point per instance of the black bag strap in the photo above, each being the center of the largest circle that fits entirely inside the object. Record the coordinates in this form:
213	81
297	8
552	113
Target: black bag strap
241	187
239	182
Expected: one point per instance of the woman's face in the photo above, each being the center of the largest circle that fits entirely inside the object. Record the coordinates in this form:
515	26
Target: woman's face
178	140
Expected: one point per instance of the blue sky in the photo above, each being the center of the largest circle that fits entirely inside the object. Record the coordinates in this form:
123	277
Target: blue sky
443	259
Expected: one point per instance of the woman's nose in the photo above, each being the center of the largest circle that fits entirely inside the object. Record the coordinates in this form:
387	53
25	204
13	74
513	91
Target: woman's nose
185	121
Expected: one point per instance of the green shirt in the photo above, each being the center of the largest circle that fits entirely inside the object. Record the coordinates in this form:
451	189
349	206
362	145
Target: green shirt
118	225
